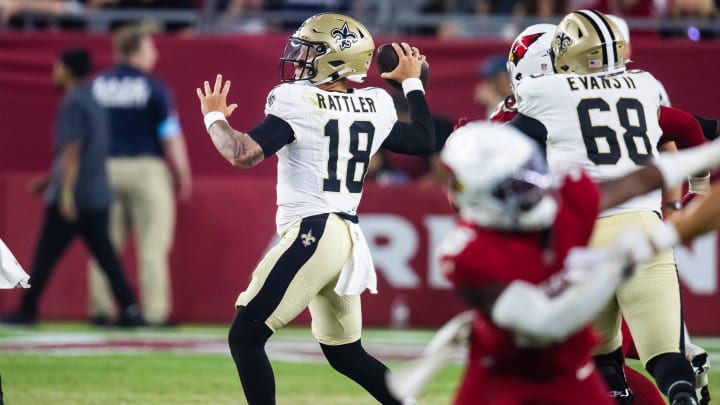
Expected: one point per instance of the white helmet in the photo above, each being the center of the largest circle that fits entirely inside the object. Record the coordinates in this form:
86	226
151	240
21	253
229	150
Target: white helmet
499	178
530	53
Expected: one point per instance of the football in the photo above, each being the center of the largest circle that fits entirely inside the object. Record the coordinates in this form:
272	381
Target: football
387	60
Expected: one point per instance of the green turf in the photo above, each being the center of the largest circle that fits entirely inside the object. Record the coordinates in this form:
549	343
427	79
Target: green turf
172	378
161	379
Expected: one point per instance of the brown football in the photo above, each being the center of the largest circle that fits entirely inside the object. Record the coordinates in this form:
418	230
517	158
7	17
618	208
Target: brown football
387	60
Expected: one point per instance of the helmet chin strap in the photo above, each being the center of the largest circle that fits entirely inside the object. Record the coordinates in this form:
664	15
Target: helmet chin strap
335	76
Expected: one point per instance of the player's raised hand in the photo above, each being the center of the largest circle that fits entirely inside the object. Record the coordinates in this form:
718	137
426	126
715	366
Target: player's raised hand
410	62
215	99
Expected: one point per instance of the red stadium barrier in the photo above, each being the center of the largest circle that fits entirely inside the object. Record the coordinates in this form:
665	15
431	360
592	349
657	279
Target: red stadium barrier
225	228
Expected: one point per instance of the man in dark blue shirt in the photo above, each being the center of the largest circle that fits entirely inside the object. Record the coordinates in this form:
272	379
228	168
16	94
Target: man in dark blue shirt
145	132
77	193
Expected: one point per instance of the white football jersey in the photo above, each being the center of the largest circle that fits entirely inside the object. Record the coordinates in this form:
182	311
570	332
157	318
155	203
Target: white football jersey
606	123
336	134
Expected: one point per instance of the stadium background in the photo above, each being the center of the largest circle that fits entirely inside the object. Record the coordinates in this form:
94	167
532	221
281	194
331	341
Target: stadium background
229	222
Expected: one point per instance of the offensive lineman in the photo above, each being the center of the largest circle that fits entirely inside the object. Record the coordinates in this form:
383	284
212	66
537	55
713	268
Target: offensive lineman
324	134
530	55
615	129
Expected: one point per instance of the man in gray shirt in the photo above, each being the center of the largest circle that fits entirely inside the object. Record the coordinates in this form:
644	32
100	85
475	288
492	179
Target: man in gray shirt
77	193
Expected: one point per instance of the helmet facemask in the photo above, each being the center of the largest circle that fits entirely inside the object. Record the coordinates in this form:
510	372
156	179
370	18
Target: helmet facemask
527	196
298	61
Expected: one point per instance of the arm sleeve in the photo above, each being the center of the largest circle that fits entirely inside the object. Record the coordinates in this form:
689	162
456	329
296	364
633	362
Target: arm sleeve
680	127
271	134
709	127
528	310
532	128
418	136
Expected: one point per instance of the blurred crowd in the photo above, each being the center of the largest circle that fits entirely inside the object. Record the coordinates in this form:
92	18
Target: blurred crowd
433	17
445	18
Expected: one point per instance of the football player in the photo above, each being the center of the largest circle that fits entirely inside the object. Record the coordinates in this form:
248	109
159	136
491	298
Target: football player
531	342
530	55
696	355
614	130
324	133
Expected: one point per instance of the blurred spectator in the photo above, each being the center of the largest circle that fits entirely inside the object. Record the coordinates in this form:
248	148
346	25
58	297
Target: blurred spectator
299	10
627	8
494	84
544	9
232	15
703	10
38	14
145	132
77	193
168	26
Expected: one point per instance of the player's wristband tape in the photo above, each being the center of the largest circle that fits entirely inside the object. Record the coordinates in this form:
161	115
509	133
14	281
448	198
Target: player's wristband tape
213	116
412	84
699	185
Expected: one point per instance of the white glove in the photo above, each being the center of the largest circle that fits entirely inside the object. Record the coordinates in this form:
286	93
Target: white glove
633	246
698	358
581	261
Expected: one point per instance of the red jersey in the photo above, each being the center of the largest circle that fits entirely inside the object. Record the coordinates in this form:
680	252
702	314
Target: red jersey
505	111
474	257
680	127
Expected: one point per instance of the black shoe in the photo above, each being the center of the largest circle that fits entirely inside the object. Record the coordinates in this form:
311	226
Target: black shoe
683	398
131	317
102	320
19	318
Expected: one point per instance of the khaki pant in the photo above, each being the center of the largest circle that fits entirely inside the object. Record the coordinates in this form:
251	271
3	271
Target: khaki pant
142	199
301	271
649	303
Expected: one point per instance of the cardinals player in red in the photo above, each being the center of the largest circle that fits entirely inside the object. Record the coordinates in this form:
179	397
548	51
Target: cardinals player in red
533	290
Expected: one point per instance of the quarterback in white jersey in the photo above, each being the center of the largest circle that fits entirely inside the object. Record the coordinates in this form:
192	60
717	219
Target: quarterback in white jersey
596	114
335	136
324	134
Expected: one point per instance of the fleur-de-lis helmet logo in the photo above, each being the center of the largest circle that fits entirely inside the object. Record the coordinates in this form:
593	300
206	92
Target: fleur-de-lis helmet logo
562	41
343	36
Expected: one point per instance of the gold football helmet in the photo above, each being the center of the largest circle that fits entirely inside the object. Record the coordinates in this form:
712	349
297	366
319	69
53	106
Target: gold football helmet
586	41
325	48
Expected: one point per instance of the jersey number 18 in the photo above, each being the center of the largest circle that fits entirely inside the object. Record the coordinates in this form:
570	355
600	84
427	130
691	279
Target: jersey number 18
359	156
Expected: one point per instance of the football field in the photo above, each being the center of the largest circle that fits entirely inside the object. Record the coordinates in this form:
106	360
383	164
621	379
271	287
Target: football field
73	364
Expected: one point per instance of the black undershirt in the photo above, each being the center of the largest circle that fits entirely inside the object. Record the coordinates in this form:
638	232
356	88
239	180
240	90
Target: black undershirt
532	128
